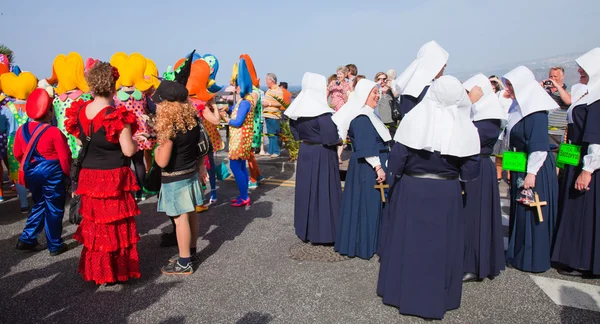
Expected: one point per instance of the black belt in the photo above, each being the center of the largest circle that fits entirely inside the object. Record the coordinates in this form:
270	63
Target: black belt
485	155
432	176
311	144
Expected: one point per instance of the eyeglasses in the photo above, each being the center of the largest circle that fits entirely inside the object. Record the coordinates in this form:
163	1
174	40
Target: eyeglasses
382	79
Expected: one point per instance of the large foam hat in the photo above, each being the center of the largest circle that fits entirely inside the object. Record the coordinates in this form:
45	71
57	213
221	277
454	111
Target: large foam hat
38	104
18	86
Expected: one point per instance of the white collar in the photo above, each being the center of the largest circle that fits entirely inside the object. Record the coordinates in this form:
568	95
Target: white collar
383	132
441	121
579	93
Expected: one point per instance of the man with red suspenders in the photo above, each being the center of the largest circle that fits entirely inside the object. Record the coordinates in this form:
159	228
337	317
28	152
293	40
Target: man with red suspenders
45	158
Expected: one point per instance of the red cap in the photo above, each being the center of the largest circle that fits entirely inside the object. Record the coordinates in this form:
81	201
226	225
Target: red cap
38	104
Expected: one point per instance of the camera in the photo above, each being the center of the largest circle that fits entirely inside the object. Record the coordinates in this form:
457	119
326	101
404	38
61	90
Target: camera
337	82
548	83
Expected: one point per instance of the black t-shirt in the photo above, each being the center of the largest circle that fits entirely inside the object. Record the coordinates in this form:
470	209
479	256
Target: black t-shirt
184	155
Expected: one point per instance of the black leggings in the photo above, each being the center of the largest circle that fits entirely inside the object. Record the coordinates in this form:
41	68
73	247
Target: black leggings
139	167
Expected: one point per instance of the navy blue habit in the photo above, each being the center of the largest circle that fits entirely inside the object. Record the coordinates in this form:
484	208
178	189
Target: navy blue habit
577	242
408	102
318	194
423	245
484	235
362	207
529	240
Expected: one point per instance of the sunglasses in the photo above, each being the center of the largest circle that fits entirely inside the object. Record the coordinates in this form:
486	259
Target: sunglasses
382	79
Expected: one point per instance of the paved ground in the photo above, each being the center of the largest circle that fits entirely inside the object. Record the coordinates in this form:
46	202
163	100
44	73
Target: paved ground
247	276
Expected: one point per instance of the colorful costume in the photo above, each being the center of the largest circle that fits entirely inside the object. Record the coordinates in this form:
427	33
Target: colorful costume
17	88
3	124
45	166
131	69
241	133
107	231
68	72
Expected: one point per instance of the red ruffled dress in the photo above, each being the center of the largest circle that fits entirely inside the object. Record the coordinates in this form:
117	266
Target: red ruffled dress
106	182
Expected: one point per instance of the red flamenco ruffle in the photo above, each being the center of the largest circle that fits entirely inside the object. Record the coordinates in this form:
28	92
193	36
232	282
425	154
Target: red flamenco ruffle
107	210
106	183
104	267
71	114
107	238
115	122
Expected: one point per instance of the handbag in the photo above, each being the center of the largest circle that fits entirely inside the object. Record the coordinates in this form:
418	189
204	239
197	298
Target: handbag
153	179
204	143
75	202
395	107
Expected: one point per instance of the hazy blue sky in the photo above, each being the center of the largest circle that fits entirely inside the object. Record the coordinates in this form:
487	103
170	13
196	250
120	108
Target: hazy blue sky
290	38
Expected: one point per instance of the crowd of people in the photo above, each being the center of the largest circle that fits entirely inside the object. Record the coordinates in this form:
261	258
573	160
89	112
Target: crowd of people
98	131
422	187
421	190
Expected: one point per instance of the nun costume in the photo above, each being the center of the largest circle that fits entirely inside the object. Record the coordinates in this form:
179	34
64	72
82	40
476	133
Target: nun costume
422	248
484	235
413	83
577	245
530	240
362	206
318	188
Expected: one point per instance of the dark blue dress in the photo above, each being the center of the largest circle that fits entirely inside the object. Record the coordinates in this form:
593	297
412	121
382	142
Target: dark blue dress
577	242
529	240
360	215
422	262
407	103
484	235
318	187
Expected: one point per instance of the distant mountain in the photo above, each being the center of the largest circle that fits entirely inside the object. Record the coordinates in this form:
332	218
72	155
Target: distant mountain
540	68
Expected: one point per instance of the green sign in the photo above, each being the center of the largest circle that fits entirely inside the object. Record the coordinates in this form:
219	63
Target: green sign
514	161
569	154
560	165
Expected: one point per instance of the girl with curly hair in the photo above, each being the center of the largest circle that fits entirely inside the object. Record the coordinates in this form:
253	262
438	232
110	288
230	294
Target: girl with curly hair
178	132
106	183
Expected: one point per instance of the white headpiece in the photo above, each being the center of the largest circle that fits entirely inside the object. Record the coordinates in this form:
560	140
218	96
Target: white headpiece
529	94
441	122
429	62
354	107
590	63
489	106
312	100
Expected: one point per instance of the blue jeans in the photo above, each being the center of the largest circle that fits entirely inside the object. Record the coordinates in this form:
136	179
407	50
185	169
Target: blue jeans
273	128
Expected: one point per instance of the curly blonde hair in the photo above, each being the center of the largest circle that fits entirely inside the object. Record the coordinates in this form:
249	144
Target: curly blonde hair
174	117
101	80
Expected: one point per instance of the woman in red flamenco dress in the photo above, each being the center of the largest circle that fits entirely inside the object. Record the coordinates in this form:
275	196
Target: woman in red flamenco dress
106	183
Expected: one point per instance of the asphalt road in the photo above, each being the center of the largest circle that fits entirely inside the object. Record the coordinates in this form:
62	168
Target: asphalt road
247	276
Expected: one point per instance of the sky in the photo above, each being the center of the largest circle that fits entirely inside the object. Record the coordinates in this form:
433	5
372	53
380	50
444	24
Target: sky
289	38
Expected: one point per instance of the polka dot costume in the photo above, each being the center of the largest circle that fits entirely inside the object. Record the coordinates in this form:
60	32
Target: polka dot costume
59	110
140	110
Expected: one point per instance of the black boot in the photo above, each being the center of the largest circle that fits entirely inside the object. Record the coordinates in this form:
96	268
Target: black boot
27	246
63	248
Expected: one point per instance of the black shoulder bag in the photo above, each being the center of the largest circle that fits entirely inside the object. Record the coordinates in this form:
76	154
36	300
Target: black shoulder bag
75	202
204	143
395	107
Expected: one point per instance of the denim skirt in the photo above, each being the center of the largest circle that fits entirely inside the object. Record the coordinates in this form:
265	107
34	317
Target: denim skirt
180	197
